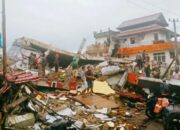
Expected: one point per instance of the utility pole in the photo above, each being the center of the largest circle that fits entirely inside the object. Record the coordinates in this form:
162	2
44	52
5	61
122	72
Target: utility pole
4	36
175	39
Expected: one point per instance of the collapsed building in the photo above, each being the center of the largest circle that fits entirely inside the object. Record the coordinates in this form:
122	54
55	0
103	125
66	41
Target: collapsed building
24	46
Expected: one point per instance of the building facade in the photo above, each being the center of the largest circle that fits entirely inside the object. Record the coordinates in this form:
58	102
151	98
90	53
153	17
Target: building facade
147	33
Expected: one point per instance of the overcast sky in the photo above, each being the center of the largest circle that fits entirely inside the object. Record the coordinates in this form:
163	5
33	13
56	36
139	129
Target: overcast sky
63	23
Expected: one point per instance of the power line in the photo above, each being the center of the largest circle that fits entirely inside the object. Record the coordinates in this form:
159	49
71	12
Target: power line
139	6
152	5
160	8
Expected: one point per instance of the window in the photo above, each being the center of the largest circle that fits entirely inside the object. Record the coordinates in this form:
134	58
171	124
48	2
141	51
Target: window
172	54
156	37
132	40
168	37
124	40
160	57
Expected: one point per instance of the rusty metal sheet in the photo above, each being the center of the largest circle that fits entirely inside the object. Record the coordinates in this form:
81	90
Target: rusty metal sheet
97	101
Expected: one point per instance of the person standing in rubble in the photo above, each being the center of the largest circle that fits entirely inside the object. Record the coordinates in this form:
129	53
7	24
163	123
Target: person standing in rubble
147	58
176	74
74	63
83	78
156	73
165	89
73	66
30	60
56	62
43	64
147	69
90	79
143	56
139	60
35	61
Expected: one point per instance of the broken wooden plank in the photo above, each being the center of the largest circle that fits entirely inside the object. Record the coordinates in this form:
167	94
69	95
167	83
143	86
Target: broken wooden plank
17	102
133	96
97	101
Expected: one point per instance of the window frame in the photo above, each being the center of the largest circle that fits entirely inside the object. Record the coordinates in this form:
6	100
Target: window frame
160	57
132	40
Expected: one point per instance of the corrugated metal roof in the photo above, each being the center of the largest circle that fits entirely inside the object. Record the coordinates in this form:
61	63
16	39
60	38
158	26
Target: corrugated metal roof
156	18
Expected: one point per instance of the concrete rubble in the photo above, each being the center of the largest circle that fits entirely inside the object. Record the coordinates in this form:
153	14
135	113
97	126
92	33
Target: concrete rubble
25	105
41	110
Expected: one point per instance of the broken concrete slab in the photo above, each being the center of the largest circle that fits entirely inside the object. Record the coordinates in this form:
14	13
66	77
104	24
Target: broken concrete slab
114	80
20	121
110	70
123	80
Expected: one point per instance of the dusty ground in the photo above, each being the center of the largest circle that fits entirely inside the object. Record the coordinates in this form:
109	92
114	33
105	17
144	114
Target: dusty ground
154	125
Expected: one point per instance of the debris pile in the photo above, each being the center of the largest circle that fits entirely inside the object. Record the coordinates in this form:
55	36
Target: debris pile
24	107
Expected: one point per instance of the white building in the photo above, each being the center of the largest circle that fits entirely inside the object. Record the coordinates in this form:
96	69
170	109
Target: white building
147	33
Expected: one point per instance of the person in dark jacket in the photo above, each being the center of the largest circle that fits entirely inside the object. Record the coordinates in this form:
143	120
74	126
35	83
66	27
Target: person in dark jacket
147	69
139	60
43	64
143	56
56	62
165	89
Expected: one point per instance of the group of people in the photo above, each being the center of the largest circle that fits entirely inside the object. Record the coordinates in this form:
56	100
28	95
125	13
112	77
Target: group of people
32	60
86	73
142	62
87	77
39	61
154	69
